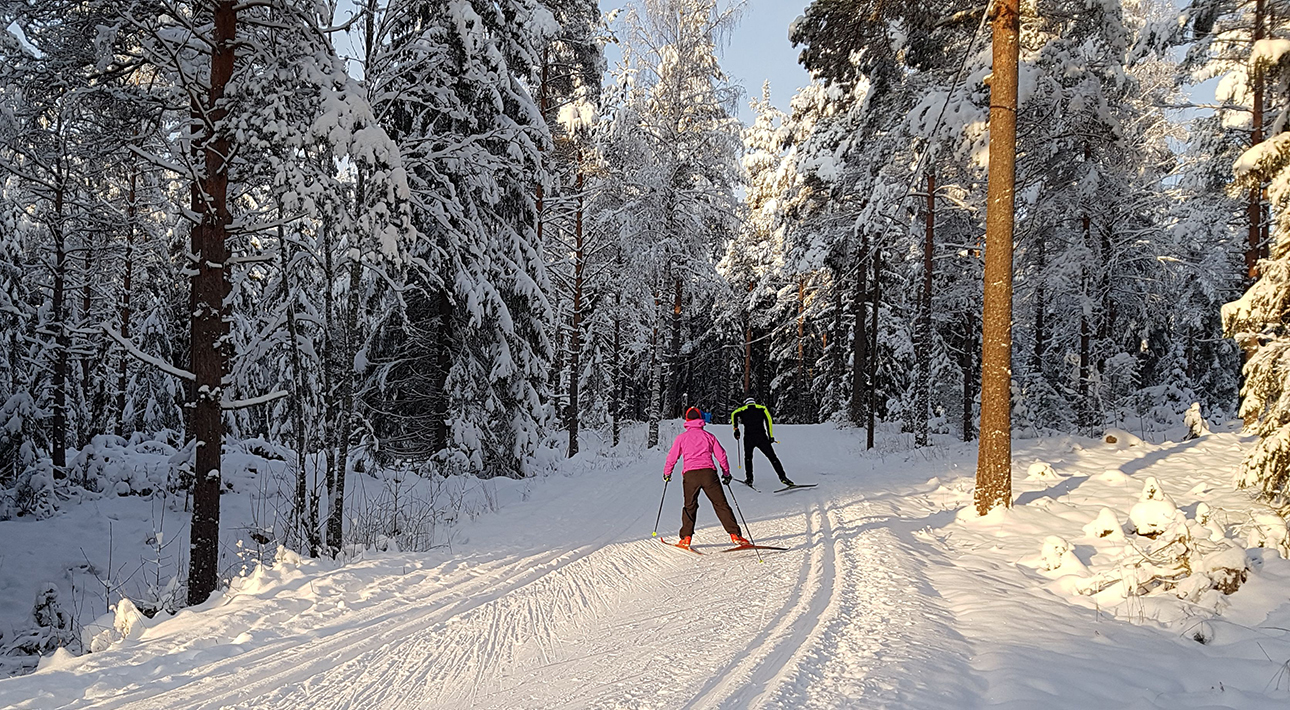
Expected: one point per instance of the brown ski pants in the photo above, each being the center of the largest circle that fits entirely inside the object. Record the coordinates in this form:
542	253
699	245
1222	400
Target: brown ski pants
705	479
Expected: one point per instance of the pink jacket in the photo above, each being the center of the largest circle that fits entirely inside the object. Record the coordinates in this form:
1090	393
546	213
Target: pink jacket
697	447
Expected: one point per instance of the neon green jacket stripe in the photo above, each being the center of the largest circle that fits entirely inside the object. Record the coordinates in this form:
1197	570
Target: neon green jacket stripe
770	423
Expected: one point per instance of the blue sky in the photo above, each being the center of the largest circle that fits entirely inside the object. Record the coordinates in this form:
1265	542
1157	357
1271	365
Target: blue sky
758	50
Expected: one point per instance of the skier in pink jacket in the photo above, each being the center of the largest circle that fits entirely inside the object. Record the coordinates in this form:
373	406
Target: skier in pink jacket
696	447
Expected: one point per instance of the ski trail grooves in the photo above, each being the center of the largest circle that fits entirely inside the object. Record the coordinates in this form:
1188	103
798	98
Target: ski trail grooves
260	673
757	664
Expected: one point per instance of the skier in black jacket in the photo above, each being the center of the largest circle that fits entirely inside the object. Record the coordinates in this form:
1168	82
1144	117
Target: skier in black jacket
759	433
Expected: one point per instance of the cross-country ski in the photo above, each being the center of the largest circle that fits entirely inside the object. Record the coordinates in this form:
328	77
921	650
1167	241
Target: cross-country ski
796	486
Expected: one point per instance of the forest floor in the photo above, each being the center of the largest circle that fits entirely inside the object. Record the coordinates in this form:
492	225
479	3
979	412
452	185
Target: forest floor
892	594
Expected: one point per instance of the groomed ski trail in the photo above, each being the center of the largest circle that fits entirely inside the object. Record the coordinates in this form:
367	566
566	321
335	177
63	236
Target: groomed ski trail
618	621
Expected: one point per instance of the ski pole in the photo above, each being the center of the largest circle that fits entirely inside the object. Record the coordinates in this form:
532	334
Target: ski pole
660	508
745	520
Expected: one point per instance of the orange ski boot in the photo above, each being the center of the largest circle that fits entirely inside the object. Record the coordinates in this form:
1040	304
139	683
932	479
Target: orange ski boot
739	540
685	543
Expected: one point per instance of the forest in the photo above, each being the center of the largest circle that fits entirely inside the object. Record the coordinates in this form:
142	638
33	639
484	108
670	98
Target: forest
458	237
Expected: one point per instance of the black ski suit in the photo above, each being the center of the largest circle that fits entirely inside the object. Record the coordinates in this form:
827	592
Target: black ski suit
759	433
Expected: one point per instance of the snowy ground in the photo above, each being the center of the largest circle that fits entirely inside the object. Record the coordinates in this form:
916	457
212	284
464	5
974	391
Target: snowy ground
889	596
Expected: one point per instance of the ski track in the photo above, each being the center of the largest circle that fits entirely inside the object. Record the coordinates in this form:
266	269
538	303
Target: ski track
628	623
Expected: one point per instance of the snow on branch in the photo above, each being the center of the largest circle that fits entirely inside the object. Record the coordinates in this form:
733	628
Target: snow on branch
140	355
253	401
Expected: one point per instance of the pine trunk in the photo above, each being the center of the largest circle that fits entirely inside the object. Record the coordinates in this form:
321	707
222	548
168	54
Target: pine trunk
655	378
1041	306
300	503
860	339
967	366
62	341
802	388
616	386
124	314
923	396
872	409
209	319
994	458
672	403
575	337
1255	247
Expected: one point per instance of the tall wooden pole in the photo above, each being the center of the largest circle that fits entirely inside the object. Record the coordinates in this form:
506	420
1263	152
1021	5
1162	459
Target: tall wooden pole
994	459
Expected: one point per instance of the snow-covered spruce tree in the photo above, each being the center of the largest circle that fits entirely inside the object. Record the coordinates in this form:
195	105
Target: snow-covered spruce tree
462	353
1259	319
1226	38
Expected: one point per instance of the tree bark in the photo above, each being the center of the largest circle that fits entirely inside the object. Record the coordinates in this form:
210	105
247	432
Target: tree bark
672	400
873	346
124	313
923	396
994	456
655	378
616	386
575	337
1255	247
62	341
968	367
1041	307
860	339
803	388
209	319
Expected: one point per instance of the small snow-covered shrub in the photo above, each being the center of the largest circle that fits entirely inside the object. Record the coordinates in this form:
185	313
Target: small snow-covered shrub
113	465
34	494
123	622
1269	530
1226	569
51	626
1154	512
1105	525
1114	475
1041	471
21	434
1057	553
1196	424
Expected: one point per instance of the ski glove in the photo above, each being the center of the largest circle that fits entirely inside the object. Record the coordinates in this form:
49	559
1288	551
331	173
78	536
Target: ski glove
667	478
736	435
725	478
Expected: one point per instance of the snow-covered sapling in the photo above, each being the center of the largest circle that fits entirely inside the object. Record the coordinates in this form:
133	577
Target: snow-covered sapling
1154	511
1106	526
1041	471
1196	424
1269	530
1226	569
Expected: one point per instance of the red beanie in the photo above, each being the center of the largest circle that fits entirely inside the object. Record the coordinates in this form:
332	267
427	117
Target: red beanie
693	413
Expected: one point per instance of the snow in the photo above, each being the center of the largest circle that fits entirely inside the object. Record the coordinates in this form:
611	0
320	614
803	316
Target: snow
1268	52
893	593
